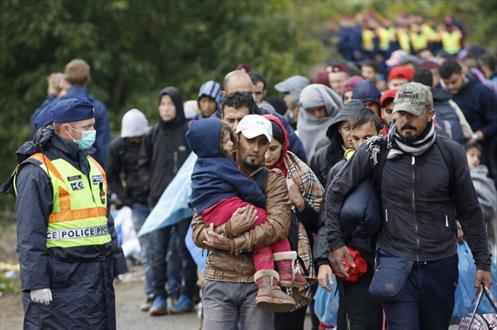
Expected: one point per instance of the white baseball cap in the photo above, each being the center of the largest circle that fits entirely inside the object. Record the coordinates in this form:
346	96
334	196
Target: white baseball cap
252	126
134	123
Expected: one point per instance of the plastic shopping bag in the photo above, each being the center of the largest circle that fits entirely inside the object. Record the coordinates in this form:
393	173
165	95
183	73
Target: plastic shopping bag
173	206
326	304
465	291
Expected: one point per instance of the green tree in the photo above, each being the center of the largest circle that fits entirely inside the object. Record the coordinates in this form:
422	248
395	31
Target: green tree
135	48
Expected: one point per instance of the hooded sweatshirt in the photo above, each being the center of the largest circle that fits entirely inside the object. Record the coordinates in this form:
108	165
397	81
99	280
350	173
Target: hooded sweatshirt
216	177
211	89
325	158
164	150
485	190
312	130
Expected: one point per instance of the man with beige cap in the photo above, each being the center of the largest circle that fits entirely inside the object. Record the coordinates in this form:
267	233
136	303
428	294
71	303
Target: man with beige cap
424	183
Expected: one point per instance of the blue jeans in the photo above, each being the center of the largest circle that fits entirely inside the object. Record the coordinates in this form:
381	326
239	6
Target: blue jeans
160	245
428	298
231	306
139	214
174	265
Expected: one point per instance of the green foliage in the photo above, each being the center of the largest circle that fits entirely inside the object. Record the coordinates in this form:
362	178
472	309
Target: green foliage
9	286
136	47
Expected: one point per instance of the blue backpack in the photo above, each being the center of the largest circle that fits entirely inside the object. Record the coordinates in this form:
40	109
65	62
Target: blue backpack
449	121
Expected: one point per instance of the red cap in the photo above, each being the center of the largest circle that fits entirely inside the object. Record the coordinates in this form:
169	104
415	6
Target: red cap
401	72
322	78
339	68
387	96
430	65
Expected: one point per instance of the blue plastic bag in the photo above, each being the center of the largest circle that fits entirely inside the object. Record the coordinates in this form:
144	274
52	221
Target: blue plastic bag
199	255
465	291
173	205
326	304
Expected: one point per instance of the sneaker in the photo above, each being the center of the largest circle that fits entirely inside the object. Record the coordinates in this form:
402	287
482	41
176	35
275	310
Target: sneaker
145	307
184	304
159	306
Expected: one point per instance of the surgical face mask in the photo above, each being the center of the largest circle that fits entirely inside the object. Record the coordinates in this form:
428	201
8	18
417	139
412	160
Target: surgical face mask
87	140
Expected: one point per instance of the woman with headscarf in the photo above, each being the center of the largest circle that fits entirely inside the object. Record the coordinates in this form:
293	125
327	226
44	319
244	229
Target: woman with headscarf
319	105
306	194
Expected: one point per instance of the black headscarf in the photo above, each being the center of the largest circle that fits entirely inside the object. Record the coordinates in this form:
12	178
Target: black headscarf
175	96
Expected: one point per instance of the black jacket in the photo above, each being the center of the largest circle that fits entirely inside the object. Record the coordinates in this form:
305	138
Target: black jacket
122	158
477	102
164	150
419	207
325	158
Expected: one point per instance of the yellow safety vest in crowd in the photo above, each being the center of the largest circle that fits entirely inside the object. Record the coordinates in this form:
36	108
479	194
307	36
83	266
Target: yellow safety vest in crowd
404	41
451	41
368	40
385	37
418	41
79	213
430	33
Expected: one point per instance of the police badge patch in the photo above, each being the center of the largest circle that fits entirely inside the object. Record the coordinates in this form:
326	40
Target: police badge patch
97	179
77	185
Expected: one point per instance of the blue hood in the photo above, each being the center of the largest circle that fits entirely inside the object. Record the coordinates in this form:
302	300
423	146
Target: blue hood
366	91
204	137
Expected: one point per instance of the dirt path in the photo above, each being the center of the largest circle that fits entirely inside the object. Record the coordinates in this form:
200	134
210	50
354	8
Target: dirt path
129	295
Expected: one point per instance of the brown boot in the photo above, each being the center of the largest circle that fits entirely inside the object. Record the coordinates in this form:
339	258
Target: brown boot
289	275
269	294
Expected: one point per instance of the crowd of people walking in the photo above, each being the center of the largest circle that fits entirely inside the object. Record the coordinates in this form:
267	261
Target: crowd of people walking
370	173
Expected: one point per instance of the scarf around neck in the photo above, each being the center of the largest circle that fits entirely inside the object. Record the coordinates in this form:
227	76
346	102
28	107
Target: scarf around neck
401	145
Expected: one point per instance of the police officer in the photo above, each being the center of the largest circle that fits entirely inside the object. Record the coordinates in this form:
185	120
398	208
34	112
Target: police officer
66	241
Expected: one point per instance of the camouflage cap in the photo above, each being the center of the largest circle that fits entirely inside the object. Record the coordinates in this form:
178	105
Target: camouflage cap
413	97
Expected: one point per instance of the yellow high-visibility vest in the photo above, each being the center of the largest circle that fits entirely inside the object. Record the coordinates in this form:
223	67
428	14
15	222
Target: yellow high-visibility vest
385	37
430	33
451	41
418	41
404	41
79	213
368	40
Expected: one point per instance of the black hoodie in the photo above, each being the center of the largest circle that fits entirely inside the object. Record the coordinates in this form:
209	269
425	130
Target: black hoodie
164	149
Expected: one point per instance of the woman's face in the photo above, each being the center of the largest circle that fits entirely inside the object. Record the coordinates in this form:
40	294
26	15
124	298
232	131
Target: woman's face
167	109
273	154
344	131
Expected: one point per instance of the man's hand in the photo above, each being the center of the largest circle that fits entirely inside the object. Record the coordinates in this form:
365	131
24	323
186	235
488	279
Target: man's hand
41	296
295	195
325	276
219	242
337	257
241	221
460	235
483	277
55	83
475	138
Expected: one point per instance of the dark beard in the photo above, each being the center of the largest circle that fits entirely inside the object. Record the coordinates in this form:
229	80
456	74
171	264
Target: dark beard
414	138
251	166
